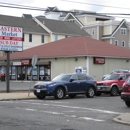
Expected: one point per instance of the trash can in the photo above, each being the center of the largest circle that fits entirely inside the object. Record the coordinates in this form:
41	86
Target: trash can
2	77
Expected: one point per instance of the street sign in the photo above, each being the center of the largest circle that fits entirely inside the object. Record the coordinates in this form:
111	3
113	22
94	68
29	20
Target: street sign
34	60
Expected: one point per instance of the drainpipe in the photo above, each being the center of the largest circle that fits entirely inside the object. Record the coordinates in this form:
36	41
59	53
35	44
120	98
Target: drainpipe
87	64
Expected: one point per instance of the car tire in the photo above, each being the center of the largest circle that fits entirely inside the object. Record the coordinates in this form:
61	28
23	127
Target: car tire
59	93
98	94
72	95
40	97
114	91
127	103
90	92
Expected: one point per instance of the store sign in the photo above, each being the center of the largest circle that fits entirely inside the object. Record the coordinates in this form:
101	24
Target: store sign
99	60
16	63
11	38
25	62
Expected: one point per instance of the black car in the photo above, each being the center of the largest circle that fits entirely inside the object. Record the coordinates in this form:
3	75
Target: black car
66	84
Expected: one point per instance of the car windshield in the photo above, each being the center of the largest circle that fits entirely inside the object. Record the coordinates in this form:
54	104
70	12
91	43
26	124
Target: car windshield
62	77
111	77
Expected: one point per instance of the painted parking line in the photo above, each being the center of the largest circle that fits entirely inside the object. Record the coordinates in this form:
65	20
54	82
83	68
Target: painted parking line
63	114
69	107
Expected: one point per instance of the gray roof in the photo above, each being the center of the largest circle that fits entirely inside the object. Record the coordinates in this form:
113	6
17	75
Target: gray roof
51	9
28	24
63	27
27	16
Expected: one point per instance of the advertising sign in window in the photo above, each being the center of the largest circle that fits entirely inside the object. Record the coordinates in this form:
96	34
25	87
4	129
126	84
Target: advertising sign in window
11	38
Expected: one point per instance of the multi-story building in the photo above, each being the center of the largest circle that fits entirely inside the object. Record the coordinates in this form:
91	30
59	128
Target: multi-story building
100	27
39	30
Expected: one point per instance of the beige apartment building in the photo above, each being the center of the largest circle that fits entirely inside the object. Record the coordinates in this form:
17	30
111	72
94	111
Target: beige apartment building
100	27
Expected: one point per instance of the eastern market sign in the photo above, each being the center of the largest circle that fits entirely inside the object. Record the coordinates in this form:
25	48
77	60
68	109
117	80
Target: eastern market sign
11	38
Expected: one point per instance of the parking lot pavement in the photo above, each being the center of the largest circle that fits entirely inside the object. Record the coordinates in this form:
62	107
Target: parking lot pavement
25	94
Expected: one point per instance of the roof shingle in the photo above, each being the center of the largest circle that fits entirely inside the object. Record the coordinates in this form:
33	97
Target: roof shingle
71	47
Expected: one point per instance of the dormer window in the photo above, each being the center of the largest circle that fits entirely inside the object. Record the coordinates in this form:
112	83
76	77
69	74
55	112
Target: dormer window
93	31
71	20
123	31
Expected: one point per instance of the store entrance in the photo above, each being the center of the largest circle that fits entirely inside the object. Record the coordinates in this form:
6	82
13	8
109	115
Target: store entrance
21	72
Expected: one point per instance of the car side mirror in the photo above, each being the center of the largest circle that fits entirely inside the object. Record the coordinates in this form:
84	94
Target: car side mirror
71	80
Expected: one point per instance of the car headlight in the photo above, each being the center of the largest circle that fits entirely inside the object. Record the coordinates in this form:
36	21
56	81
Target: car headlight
106	84
51	85
39	86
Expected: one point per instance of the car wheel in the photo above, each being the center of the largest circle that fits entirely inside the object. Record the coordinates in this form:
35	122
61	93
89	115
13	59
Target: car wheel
72	95
90	92
98	94
59	93
114	91
40	97
127	103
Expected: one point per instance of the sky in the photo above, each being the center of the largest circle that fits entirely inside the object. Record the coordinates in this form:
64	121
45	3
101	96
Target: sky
99	6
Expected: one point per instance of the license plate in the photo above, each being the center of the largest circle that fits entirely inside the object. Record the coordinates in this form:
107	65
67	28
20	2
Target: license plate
38	90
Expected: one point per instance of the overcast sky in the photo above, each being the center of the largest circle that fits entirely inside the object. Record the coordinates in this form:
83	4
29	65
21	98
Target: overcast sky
110	6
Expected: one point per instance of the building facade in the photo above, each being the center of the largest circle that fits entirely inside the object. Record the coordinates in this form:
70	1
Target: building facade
63	56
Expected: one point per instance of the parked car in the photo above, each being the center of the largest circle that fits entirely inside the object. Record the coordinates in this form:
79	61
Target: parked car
125	95
112	84
66	84
117	71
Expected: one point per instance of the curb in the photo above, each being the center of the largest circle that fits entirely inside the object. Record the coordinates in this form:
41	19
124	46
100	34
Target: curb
123	119
16	99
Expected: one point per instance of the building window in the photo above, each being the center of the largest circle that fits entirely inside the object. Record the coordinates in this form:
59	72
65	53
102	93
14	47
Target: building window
116	43
42	38
71	20
66	36
123	43
93	31
88	31
56	37
23	36
123	31
30	37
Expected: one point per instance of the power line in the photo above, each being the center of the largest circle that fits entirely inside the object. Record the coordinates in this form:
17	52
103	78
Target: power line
20	5
7	5
95	4
43	9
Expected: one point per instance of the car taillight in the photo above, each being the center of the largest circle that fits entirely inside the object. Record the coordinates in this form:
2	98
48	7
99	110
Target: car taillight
126	88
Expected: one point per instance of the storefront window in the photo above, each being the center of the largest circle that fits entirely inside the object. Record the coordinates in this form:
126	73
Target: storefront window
29	70
9	70
34	72
41	70
3	70
13	70
47	72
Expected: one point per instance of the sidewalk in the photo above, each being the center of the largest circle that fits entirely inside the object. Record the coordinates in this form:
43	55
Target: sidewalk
17	95
123	119
24	95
